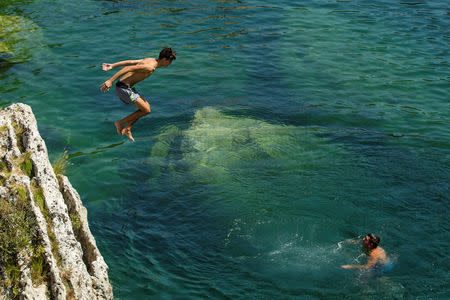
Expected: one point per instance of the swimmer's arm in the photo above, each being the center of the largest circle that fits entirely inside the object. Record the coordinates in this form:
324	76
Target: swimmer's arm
352	267
371	262
107	66
353	241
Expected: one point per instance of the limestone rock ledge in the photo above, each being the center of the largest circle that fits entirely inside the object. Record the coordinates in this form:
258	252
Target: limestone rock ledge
49	251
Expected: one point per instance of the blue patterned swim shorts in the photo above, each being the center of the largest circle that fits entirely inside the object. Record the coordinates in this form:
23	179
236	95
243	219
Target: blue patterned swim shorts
126	93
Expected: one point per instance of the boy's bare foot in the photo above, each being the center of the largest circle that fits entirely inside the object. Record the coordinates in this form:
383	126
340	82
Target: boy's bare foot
118	128
127	132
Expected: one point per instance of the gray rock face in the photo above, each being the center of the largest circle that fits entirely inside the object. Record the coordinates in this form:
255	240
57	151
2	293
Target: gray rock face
65	260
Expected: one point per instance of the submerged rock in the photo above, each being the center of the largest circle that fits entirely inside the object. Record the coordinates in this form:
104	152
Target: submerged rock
219	150
18	37
269	181
47	250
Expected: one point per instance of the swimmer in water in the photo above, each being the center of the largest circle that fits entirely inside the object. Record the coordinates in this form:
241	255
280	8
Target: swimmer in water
377	256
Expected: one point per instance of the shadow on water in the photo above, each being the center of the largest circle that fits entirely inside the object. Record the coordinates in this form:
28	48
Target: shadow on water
5	63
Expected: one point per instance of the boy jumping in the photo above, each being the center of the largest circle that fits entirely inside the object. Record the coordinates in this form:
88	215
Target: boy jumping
134	72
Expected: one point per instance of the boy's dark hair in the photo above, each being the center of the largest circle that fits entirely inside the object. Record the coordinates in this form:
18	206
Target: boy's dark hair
374	240
167	53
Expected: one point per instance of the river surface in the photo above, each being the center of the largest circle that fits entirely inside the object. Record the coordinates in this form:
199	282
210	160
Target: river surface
282	129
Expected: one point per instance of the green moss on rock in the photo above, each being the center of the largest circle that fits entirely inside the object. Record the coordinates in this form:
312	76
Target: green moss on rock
76	222
26	165
39	269
3	166
39	199
17	229
18	130
61	164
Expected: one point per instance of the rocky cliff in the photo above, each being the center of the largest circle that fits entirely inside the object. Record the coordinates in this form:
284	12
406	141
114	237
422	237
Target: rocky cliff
46	248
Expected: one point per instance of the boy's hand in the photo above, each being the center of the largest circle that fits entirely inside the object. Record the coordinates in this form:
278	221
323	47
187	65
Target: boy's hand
106	67
106	86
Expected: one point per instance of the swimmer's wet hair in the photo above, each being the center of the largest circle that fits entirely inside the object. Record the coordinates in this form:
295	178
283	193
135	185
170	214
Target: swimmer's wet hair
374	239
168	53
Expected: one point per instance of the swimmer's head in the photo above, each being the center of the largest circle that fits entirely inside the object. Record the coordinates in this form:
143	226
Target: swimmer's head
370	241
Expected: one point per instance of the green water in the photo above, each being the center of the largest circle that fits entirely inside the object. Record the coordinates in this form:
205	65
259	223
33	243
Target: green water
282	129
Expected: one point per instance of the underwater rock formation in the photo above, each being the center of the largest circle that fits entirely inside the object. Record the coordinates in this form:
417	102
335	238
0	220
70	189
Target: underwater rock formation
46	248
20	39
219	147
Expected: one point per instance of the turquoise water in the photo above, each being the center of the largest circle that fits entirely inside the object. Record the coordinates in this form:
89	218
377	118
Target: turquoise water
282	129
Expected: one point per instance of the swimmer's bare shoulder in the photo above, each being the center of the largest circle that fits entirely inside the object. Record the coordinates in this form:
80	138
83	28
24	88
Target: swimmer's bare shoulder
379	255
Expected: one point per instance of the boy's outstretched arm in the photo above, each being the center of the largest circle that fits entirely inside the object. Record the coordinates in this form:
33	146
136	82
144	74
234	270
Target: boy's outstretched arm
108	66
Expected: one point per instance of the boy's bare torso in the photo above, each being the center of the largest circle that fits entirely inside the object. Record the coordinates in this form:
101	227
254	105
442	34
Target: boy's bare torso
148	66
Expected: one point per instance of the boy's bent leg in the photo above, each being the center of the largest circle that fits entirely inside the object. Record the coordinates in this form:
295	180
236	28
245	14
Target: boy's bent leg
144	109
143	105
